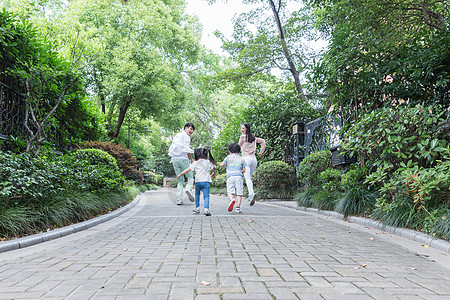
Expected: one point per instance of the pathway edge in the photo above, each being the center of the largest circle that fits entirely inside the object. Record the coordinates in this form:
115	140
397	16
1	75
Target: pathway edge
410	234
63	231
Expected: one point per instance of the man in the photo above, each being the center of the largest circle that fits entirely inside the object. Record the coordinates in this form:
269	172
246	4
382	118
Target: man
181	154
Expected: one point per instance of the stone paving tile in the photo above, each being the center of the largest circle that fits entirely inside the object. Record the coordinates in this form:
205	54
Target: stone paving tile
158	250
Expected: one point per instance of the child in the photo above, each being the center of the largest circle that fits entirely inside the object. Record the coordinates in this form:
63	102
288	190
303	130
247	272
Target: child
235	183
202	164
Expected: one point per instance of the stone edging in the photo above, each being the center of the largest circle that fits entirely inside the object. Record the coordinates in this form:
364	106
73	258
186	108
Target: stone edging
60	232
404	232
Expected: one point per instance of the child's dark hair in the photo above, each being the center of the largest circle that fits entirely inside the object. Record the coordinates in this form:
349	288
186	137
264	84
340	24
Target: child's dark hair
204	153
234	148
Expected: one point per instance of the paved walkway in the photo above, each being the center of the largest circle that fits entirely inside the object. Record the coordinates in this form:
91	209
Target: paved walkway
158	250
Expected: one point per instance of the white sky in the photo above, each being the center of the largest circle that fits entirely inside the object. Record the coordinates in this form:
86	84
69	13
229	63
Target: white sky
218	16
214	17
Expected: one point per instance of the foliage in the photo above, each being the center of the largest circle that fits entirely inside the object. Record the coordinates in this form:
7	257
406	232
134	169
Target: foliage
400	213
312	165
40	90
357	200
96	157
162	164
153	178
354	177
401	136
326	200
442	228
59	210
273	35
125	159
220	180
370	63
135	61
330	179
428	186
274	176
303	199
230	134
25	178
271	114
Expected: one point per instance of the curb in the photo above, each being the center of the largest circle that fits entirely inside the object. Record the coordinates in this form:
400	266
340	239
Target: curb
60	232
413	235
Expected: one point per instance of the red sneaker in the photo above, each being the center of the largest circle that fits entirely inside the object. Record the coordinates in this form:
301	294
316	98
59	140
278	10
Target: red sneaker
231	205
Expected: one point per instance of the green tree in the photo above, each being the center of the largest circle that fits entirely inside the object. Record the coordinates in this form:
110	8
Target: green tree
384	52
142	49
36	82
271	36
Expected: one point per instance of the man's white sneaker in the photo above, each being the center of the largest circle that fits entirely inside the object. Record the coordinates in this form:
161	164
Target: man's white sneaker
251	199
206	212
237	210
179	202
189	194
196	210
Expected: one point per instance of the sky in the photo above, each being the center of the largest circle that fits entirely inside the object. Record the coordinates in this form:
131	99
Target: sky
218	16
214	17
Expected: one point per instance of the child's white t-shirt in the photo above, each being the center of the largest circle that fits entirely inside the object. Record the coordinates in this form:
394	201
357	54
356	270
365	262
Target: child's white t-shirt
201	168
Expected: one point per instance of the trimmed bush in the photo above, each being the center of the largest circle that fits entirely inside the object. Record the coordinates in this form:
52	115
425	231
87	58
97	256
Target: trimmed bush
274	176
330	180
125	158
312	165
219	181
354	177
96	157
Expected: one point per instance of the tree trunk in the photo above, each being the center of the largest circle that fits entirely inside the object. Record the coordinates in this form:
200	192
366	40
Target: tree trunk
122	113
286	53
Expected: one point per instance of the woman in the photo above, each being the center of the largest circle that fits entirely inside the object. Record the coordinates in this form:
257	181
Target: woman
248	142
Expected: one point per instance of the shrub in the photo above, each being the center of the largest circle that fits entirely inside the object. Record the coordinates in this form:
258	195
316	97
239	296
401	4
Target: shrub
330	179
387	138
23	177
354	177
125	158
96	157
305	198
154	178
312	165
325	199
173	183
275	176
159	179
151	177
357	200
94	170
219	180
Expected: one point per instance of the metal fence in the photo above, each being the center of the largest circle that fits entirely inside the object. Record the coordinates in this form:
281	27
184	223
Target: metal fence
318	135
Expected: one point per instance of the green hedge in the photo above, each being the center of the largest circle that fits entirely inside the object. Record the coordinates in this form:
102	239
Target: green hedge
274	179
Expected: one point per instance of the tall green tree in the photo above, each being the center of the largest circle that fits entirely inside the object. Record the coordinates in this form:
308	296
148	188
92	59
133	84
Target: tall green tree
37	86
142	48
384	52
271	36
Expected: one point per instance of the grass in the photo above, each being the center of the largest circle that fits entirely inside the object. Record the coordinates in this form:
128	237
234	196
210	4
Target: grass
401	213
357	201
61	210
325	199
